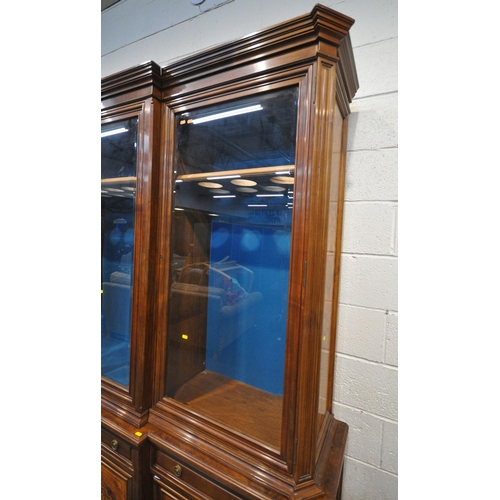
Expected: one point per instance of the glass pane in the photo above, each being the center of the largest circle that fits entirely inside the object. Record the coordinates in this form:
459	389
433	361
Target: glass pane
327	346
230	255
118	183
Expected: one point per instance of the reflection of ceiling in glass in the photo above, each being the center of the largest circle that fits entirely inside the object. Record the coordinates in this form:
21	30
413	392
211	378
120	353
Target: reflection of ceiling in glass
119	150
247	147
123	187
265	136
231	198
118	165
243	182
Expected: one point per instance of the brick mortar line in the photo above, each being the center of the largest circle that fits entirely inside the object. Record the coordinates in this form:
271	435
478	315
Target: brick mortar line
367	361
372	466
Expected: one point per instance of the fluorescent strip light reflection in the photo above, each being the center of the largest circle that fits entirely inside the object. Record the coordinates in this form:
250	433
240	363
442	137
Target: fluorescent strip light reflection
226	196
114	131
257	205
225	114
269	195
223	177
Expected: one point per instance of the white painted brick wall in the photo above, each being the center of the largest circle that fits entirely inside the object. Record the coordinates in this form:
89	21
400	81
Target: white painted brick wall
389	455
377	66
372	175
366	375
373	123
365	434
368	482
391	346
366	383
363	332
370	229
369	281
366	386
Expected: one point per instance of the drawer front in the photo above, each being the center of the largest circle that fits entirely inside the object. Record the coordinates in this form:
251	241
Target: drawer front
187	482
117	445
166	491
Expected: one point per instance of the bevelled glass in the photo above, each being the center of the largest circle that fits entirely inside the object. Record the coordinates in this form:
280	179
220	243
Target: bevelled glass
118	193
230	260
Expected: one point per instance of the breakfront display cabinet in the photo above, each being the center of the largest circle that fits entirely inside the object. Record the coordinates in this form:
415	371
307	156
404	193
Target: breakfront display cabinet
222	194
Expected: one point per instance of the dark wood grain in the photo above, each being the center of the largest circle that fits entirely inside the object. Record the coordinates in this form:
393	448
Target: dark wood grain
234	440
240	406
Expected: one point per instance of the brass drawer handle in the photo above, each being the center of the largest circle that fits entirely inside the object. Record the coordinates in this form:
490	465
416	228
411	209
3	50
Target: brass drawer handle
178	470
114	444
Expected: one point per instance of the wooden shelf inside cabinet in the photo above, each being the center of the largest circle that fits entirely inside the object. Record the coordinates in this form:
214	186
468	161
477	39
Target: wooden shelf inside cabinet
248	172
119	186
239	406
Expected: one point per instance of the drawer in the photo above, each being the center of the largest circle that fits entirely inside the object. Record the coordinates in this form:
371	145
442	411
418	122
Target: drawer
187	481
116	444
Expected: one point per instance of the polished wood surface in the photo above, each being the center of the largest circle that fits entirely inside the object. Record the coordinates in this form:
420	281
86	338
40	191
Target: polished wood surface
125	453
239	406
115	483
180	480
133	84
332	474
248	172
133	402
232	440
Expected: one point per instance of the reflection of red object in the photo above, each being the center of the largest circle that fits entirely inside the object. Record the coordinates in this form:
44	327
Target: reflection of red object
233	290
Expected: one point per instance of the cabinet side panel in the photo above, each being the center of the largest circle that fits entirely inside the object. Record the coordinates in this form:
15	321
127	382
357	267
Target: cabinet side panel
322	171
328	328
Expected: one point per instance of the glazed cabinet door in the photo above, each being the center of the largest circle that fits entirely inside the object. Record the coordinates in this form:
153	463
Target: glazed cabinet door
127	196
118	222
229	255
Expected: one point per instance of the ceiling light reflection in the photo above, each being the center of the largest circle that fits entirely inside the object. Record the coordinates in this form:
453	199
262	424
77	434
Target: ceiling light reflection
225	114
223	177
120	130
